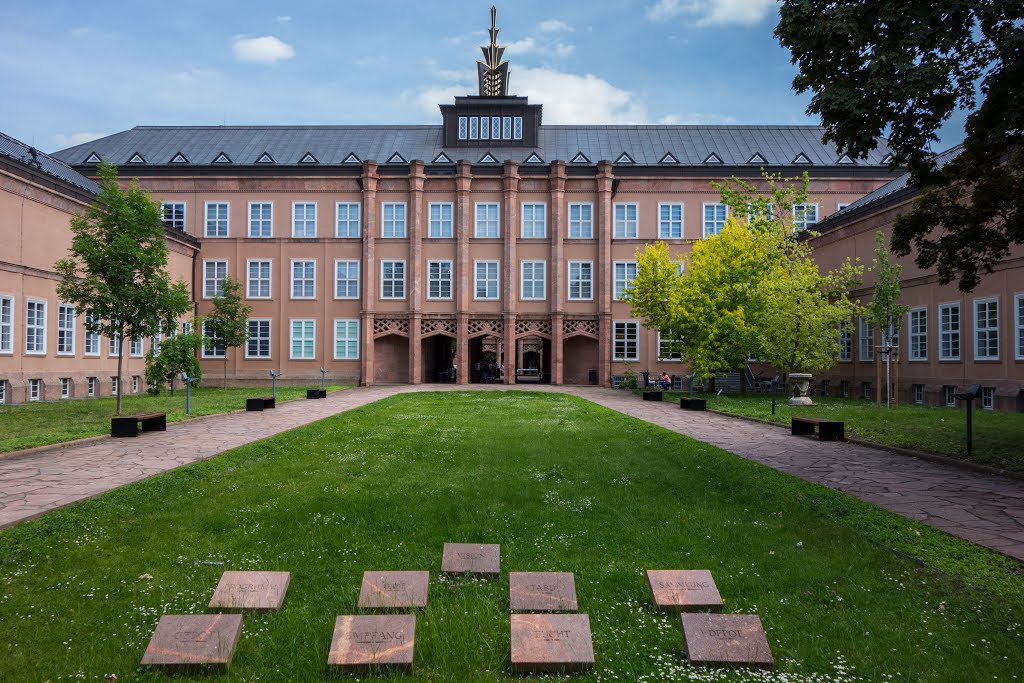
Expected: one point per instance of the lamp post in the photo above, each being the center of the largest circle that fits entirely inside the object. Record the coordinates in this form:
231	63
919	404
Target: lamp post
273	383
775	384
969	396
188	393
323	373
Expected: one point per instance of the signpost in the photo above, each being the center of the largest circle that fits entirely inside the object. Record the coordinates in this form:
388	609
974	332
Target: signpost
775	385
323	373
273	383
188	393
969	396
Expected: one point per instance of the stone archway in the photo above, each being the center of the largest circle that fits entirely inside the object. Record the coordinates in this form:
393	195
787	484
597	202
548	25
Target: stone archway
391	359
580	360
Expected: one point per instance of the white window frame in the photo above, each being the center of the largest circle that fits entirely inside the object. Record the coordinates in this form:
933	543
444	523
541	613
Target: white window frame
1018	326
394	281
6	323
135	348
488	280
951	334
306	279
269	220
349	338
216	281
218	222
303	339
114	386
3	391
865	340
580	227
533	280
625	342
440	281
579	281
65	332
91	339
395	227
305	219
259	337
35	390
533	227
135	384
211	350
715	224
348	280
113	345
917	337
666	225
440	226
988	398
39	337
990	330
347	221
485	221
463	127
92	384
626	228
621	281
949	396
917	394
842	205
845	342
259	280
171	223
801	221
669	358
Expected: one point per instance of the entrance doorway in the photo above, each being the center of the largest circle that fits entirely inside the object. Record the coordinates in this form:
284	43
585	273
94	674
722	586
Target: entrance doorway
438	359
533	360
580	356
391	359
486	360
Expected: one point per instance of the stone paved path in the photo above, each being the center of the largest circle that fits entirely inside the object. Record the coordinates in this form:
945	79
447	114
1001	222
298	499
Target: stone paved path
988	510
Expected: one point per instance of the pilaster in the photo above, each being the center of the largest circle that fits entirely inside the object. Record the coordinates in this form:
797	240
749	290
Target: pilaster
368	270
510	221
416	278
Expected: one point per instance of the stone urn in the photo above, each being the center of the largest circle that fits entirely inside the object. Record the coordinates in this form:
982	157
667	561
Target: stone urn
801	381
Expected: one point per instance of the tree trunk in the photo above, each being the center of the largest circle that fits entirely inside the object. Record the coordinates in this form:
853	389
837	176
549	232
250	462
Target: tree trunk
120	363
172	385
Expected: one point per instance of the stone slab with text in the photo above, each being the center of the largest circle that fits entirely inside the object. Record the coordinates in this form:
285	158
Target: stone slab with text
251	590
733	639
542	592
394	589
684	590
551	642
471	558
362	642
194	640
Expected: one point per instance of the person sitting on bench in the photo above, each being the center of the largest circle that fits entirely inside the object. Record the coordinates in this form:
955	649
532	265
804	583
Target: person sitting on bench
666	381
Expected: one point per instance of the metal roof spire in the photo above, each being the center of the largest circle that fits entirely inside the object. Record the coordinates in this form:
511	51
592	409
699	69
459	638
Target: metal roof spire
493	73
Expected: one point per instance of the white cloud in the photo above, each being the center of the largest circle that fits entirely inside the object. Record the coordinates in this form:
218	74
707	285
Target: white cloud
264	50
696	119
544	48
554	26
283	20
562	50
64	141
713	12
521	47
193	75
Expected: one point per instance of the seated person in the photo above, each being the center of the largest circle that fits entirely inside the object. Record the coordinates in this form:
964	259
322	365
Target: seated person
666	381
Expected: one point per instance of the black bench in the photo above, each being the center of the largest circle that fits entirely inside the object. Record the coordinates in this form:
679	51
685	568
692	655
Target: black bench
828	430
128	425
316	393
260	403
650	388
693	403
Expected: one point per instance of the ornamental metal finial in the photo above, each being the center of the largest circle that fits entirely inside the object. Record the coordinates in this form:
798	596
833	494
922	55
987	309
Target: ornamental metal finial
493	73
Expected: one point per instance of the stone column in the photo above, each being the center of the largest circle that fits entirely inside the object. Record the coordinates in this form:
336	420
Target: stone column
510	219
605	174
368	272
463	183
416	266
556	293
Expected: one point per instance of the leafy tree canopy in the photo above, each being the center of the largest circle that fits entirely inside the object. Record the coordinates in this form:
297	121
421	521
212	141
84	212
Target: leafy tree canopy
885	310
904	67
177	354
228	323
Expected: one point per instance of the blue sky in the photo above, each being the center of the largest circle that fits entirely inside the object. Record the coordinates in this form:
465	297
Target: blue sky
73	71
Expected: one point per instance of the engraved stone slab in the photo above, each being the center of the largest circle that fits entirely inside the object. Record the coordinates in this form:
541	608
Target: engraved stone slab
394	589
193	639
737	639
251	590
472	558
542	592
684	590
551	642
369	640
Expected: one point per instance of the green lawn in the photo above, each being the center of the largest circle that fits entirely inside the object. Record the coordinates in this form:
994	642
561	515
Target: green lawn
998	435
39	424
562	485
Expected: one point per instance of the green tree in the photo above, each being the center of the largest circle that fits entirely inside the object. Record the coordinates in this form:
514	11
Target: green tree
902	68
228	323
117	267
885	310
177	354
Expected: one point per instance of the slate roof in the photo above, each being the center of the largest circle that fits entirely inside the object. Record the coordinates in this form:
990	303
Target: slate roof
331	145
20	152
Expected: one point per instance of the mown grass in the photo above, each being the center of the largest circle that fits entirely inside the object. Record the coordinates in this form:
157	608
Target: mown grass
846	591
998	435
39	424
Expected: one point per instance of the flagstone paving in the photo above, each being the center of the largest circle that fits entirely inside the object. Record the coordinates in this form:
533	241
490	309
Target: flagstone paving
985	509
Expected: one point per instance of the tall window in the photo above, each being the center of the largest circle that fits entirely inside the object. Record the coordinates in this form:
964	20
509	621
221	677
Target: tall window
114	345
625	221
258	285
35	327
135	348
581	280
533	281
92	384
474	127
534	221
845	342
949	396
486	279
867	340
986	329
486	224
173	215
216	219
581	221
669	348
1018	325
440	220
92	339
949	332
304	219
988	398
346	340
3	391
35	389
670	221
393	216
625	273
213	346
214	274
626	342
804	216
439	279
347	214
346	279
463	127
714	218
918	333
65	329
258	343
303	279
154	341
392	279
261	219
6	324
303	339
